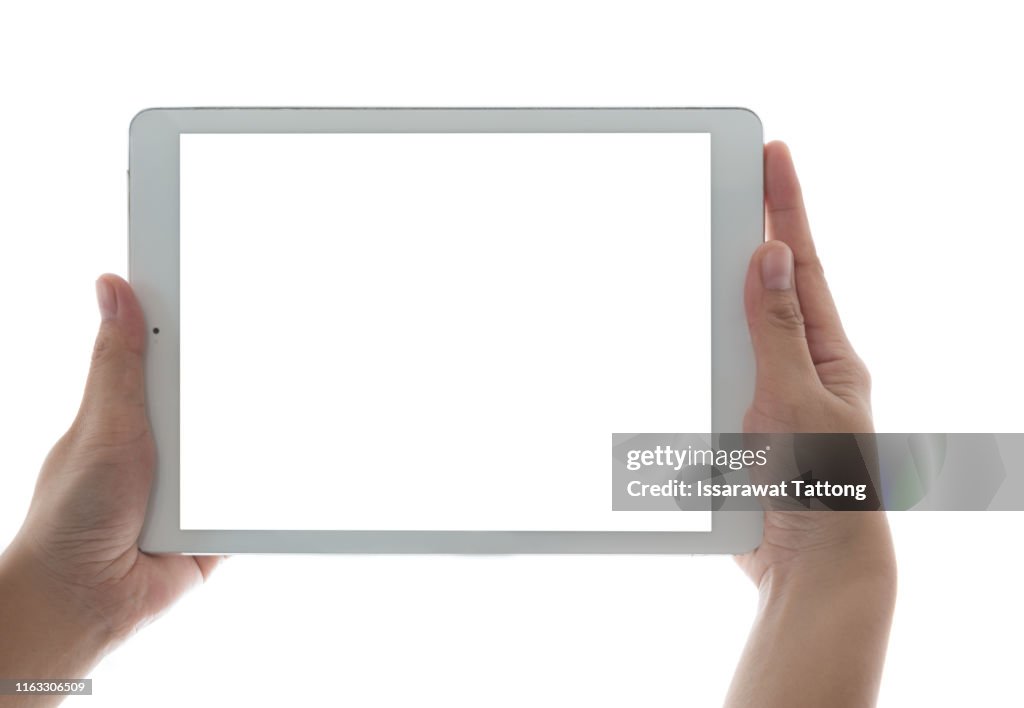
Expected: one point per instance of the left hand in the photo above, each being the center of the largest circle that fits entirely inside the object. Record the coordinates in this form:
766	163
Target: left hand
79	539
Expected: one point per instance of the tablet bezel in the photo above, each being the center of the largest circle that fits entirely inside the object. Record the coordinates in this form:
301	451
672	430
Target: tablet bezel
737	228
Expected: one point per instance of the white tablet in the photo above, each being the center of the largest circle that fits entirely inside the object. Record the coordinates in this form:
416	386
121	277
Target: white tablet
415	330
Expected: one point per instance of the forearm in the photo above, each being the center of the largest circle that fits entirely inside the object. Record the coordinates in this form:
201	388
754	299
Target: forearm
43	634
819	639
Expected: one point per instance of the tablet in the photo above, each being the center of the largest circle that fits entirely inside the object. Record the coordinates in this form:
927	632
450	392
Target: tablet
416	330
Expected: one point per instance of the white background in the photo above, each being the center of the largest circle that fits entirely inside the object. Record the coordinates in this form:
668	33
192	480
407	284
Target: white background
904	120
437	331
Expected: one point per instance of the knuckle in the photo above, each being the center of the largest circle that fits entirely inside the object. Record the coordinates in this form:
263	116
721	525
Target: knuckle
104	349
62	450
784	313
861	374
115	432
815	266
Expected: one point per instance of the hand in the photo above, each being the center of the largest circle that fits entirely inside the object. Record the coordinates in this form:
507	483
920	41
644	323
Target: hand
827	578
77	550
809	380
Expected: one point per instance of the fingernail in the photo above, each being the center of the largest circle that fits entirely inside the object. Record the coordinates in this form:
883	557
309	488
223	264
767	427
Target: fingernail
777	268
106	298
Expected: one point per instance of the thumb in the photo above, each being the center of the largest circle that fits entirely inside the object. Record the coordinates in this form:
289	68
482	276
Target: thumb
115	388
776	322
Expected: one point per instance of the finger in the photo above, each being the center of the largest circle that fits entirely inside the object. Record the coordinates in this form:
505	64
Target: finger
776	322
787	222
116	382
207	564
168	577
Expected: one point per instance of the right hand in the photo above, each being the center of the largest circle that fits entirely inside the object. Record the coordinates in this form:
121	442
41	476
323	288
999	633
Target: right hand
809	380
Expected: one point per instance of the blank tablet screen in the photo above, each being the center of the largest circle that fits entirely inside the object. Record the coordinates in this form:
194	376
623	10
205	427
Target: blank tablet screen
431	331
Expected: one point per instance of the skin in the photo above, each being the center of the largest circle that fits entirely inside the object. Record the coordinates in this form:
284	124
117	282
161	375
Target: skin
74	584
827	580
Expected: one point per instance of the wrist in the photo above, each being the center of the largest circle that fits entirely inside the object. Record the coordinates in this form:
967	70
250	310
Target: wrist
851	576
828	612
47	632
827	551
